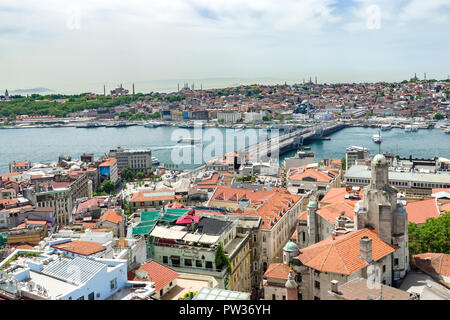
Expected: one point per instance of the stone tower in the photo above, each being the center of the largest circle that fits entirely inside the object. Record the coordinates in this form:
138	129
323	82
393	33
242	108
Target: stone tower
311	222
6	94
381	211
291	287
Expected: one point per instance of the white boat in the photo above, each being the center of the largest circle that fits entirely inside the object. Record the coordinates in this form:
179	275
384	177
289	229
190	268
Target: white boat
386	127
410	128
376	138
152	125
155	161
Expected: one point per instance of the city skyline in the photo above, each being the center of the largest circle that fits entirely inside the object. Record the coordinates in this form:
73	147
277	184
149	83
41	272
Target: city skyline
72	47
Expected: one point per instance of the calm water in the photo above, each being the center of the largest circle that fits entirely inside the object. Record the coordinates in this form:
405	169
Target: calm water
46	144
424	143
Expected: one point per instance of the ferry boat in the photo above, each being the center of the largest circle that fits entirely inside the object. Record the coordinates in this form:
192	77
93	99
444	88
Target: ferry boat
410	128
90	124
376	138
447	130
155	161
189	140
151	125
386	127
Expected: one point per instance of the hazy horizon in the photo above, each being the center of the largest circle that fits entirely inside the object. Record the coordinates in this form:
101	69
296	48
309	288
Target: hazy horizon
78	46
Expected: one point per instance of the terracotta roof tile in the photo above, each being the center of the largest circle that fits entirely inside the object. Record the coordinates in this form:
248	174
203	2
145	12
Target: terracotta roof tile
420	211
277	271
438	263
342	254
85	248
157	272
111	216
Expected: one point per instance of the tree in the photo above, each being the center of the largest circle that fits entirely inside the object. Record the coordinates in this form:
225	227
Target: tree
108	186
280	117
126	174
221	120
367	115
344	163
438	116
222	260
140	175
432	236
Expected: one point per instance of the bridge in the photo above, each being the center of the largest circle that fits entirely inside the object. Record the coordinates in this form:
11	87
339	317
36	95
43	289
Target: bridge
290	141
262	151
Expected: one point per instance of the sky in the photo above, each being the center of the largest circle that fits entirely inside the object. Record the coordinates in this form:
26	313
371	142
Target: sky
78	46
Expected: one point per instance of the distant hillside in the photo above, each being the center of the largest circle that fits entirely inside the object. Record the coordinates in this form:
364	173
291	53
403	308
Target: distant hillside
30	91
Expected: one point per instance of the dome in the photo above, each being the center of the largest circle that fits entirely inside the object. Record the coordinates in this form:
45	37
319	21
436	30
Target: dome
379	159
290	246
312	204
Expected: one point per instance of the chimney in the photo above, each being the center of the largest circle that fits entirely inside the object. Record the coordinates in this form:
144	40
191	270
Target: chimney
365	247
335	286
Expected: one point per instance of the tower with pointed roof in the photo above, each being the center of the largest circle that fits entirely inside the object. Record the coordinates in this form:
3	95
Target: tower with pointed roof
291	287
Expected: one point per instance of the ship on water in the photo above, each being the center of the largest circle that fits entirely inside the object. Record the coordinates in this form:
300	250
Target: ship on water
90	125
189	140
386	127
377	137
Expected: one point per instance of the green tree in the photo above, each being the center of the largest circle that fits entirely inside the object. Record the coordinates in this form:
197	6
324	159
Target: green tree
432	236
221	261
367	115
127	174
140	175
438	116
108	186
280	117
221	120
344	163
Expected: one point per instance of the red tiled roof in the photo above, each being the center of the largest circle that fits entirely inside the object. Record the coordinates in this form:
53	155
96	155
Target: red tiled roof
333	211
277	271
157	272
342	254
85	248
303	172
338	194
108	162
157	195
420	211
111	216
438	263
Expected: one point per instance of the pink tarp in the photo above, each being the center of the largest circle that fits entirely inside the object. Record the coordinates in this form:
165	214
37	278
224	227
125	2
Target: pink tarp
187	219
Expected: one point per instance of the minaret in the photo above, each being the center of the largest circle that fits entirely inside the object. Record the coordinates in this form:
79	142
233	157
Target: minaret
104	90
6	94
291	287
133	89
316	79
178	86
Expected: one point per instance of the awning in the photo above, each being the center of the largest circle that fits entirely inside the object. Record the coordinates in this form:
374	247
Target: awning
160	232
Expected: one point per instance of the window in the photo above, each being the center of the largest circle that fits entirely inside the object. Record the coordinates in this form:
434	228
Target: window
254	238
188	262
284	297
165	260
264	238
113	284
91	296
273	297
384	268
396	262
317	284
198	263
161	292
208	265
